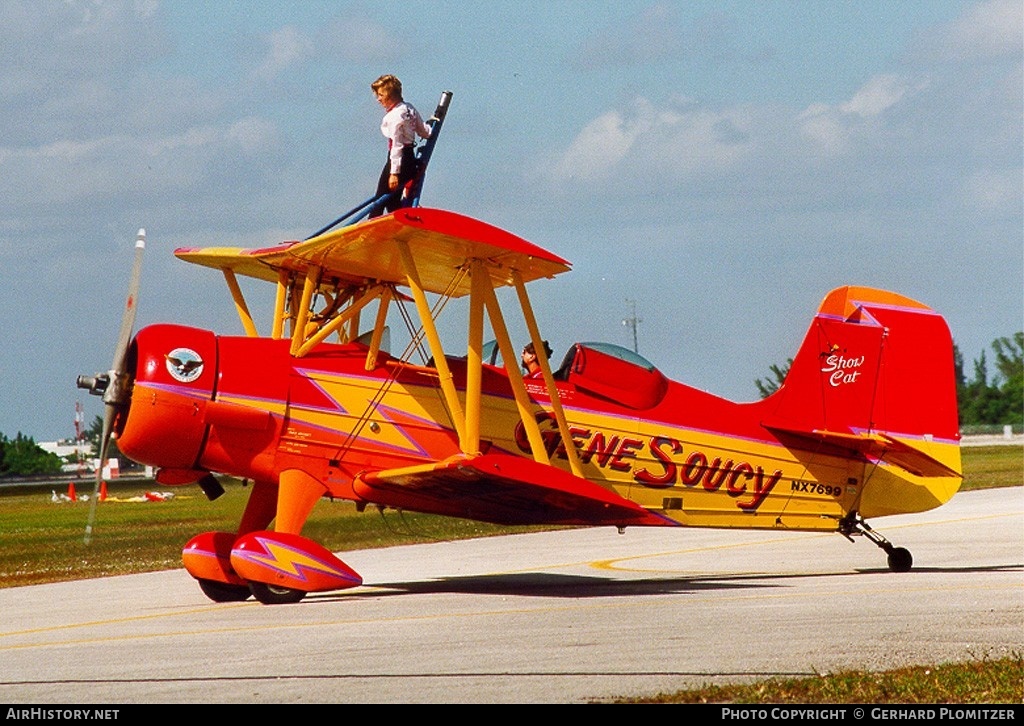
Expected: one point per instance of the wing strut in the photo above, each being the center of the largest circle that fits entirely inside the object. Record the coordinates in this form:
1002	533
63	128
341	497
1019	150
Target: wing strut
549	381
243	310
515	378
434	341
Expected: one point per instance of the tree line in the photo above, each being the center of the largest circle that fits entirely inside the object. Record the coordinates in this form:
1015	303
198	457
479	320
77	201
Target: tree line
992	395
996	398
21	456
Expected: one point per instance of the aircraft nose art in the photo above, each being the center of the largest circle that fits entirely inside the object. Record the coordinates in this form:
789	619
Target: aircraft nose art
176	370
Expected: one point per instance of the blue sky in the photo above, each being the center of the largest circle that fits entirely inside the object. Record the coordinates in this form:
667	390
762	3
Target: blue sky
722	164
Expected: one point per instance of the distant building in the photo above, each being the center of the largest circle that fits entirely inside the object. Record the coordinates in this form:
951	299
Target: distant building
67	448
77	456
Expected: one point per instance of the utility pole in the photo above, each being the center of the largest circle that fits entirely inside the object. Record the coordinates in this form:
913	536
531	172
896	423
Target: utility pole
79	438
632	322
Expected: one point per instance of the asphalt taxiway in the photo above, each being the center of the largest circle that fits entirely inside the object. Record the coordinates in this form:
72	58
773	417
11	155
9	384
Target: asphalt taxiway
557	617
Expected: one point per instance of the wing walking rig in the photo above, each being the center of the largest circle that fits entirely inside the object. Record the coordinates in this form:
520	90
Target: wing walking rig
317	405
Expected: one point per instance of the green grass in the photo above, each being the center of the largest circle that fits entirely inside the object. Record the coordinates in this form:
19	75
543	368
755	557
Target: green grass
982	681
992	466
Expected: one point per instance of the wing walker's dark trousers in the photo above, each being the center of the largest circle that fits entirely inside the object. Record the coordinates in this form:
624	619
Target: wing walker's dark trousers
410	166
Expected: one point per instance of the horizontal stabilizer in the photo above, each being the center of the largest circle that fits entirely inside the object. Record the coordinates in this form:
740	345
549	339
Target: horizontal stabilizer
506	489
879	447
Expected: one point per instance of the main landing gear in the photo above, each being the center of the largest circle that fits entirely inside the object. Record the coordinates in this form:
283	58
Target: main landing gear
899	558
274	567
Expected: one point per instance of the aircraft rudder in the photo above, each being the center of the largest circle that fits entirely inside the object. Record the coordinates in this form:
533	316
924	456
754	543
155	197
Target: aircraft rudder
872	361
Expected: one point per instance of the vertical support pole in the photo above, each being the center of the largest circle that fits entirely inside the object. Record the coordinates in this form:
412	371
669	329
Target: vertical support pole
338	322
378	329
240	306
434	340
351	331
549	381
280	305
261	507
478	278
515	378
299	333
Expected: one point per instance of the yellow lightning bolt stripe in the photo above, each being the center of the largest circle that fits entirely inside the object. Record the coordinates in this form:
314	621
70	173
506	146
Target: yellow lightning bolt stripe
289	561
352	394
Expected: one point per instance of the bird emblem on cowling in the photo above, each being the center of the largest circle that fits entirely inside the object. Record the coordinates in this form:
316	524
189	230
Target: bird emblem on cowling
184	364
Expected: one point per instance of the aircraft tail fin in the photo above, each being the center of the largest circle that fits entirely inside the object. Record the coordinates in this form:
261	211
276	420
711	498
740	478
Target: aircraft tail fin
874	374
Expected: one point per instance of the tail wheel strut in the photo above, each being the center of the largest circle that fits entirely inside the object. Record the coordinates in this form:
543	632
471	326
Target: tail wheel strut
899	558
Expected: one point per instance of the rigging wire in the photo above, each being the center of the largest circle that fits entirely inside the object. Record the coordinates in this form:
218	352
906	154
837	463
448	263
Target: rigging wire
415	344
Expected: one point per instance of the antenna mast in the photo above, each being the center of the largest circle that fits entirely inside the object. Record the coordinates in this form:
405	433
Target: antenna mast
632	322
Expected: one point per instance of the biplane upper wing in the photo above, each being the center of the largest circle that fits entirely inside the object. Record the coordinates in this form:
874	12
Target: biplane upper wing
506	489
441	241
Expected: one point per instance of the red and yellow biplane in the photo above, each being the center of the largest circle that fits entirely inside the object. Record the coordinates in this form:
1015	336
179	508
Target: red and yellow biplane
864	425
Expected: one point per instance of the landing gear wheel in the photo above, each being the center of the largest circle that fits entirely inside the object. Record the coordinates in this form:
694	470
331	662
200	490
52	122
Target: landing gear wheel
223	592
900	559
275	595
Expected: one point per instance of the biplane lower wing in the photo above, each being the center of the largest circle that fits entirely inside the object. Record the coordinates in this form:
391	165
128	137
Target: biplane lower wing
504	489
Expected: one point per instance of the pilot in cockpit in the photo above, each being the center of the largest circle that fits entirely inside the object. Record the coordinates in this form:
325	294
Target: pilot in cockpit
530	362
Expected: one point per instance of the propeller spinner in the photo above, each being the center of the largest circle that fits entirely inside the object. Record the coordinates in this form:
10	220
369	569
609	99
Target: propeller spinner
114	385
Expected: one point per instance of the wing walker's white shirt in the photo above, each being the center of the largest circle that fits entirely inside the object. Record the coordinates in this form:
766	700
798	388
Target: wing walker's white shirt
400	126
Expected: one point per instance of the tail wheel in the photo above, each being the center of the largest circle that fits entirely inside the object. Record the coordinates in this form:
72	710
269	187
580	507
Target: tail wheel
900	559
274	595
223	592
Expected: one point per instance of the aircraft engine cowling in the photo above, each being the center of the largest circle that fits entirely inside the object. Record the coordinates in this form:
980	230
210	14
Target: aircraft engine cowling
174	379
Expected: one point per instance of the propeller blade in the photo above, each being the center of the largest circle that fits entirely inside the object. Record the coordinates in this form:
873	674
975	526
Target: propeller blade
116	392
109	413
128	318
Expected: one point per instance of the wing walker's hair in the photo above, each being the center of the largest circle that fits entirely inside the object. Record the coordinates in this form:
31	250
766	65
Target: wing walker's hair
389	83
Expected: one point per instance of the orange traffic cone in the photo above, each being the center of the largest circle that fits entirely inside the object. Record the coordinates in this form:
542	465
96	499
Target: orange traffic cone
103	491
71	492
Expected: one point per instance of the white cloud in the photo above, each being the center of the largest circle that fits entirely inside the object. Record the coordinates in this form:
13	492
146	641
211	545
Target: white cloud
288	46
875	96
989	29
598	148
832	129
985	31
154	174
647	142
821	125
990	191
